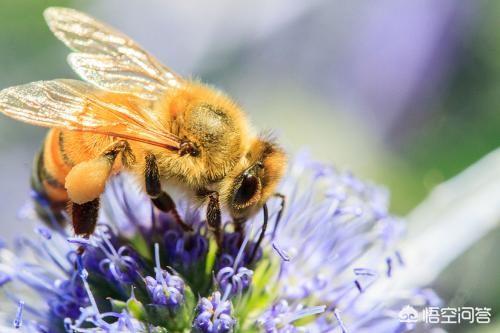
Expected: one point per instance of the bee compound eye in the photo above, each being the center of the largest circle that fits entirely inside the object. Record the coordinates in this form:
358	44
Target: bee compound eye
247	190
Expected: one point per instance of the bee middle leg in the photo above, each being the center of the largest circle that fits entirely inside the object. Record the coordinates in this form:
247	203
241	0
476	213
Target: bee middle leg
160	198
239	228
214	219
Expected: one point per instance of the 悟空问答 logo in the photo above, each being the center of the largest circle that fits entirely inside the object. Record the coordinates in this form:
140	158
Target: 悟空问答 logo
408	314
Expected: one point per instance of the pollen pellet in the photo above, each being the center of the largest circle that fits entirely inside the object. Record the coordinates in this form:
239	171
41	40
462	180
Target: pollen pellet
86	181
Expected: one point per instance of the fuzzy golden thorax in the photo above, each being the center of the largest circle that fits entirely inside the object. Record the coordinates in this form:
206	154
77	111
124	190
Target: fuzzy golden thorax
210	120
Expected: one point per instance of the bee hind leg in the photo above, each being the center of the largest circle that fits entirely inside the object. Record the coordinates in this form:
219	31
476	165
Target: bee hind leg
85	183
160	198
86	180
84	218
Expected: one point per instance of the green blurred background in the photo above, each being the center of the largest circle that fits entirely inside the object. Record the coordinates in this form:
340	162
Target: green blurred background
403	93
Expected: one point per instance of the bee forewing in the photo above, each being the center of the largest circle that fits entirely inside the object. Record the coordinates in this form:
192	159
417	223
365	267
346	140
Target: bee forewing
48	103
117	76
75	105
108	58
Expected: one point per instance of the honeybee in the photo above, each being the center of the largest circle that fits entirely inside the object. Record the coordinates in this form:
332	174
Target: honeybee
132	113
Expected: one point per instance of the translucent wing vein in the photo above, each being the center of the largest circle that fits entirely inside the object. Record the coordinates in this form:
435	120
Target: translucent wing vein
108	58
75	105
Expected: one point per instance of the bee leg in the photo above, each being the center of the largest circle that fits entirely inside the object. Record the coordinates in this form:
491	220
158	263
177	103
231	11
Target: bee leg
214	217
84	217
262	233
86	180
123	147
280	212
85	183
160	198
188	147
165	203
239	227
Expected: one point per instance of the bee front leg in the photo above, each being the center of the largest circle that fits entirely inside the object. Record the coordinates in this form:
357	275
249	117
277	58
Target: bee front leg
280	212
160	198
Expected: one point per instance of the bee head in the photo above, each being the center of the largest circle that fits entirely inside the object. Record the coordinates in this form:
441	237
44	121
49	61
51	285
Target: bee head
255	178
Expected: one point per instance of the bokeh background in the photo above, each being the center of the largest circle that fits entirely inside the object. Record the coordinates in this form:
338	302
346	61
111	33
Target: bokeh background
406	93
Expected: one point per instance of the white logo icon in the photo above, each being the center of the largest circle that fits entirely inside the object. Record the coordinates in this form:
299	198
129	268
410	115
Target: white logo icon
408	314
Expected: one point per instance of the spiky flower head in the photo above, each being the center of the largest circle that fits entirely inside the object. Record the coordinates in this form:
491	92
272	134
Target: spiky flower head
324	268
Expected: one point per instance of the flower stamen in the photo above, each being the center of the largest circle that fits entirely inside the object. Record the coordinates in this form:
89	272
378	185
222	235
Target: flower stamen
18	321
281	252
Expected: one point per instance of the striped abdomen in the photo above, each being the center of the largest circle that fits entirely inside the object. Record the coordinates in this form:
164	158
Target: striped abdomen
60	151
47	180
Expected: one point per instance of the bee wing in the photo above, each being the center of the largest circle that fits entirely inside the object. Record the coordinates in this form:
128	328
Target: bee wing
76	105
108	58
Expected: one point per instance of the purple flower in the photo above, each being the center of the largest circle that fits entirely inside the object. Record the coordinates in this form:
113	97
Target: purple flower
232	247
280	317
233	278
237	280
213	315
335	241
119	265
166	289
325	267
69	298
183	248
